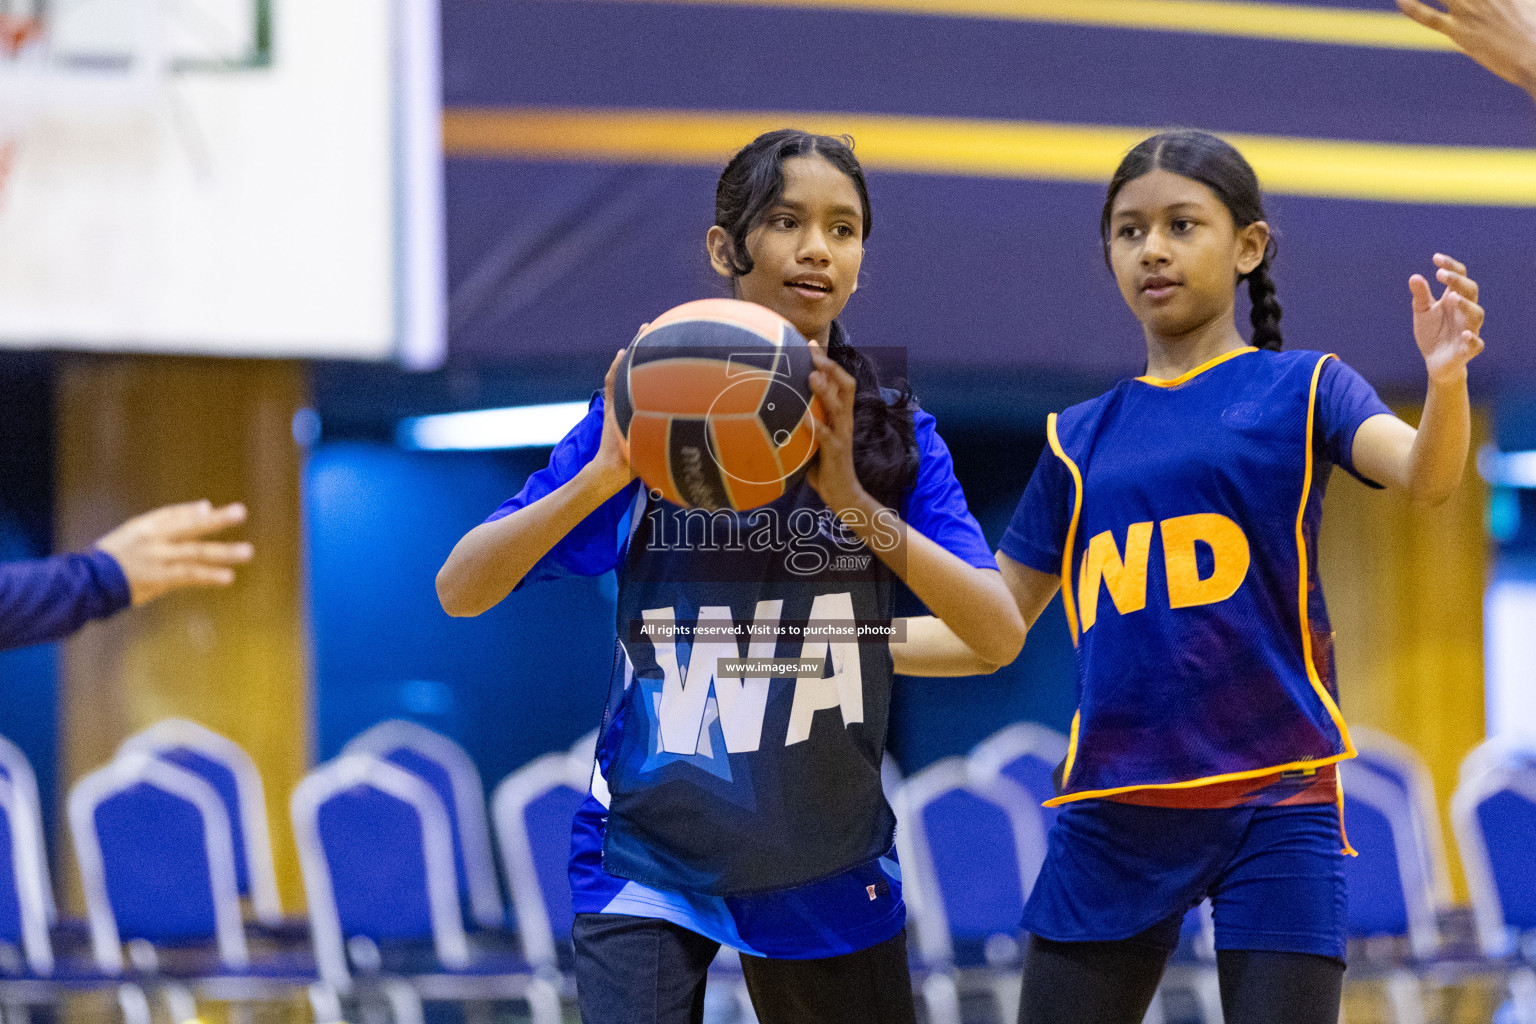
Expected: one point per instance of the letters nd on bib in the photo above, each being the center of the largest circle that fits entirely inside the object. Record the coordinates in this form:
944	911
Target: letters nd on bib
1125	576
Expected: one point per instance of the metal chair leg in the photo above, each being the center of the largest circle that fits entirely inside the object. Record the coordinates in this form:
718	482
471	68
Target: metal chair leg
1522	993
941	998
134	1004
544	1000
1006	992
180	1004
404	1002
1207	989
1405	997
325	1003
746	1012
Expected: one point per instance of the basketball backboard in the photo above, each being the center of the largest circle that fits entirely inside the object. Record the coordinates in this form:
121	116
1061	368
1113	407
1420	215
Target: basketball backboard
236	177
194	34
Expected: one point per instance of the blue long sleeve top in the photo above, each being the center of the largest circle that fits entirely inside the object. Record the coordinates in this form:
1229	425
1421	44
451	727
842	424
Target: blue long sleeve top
47	599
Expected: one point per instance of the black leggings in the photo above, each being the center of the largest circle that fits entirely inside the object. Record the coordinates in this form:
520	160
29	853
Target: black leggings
1113	983
640	970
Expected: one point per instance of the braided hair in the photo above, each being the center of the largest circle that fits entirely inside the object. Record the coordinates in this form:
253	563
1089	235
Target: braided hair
1222	169
884	443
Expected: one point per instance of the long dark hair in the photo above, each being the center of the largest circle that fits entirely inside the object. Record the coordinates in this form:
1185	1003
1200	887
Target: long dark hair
1219	167
885	450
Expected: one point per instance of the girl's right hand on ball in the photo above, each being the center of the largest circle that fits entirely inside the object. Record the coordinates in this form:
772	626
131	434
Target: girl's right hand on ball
612	459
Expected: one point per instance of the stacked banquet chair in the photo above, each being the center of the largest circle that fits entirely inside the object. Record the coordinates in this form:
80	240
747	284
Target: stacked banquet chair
970	843
31	974
972	838
1393	932
449	770
1402	923
1027	753
532	810
395	856
23	908
1399	763
17	770
225	765
1493	814
162	866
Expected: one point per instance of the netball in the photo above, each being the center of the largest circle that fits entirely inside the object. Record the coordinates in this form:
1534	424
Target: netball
713	401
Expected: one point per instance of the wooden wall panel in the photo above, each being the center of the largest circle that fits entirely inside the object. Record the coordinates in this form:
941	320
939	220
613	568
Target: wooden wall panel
138	432
1405	593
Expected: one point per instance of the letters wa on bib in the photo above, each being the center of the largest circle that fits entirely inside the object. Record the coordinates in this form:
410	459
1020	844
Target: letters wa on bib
748	810
1182	517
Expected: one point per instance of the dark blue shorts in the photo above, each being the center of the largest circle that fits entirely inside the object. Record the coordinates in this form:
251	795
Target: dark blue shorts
1116	871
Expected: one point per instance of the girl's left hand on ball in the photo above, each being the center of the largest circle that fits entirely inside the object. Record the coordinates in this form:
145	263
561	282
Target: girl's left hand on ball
1446	328
832	473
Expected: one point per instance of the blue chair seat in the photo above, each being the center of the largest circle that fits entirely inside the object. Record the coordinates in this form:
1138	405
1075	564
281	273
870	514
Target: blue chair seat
71	972
288	931
494	962
290	963
71	931
194	963
490	974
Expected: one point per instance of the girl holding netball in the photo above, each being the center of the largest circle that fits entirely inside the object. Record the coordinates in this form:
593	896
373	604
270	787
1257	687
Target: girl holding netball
1178	514
767	831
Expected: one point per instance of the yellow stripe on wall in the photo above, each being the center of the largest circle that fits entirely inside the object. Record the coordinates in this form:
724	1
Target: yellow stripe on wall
1455	175
1289	22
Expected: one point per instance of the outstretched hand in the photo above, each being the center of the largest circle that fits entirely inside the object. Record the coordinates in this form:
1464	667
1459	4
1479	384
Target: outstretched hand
164	550
832	474
1446	328
1498	34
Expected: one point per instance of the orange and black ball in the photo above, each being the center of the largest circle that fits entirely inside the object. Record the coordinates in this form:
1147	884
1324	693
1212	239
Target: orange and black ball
714	403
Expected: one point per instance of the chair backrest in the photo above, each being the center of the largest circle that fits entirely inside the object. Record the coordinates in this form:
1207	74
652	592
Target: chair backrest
1503	749
1493	813
1396	761
449	770
23	905
1389	890
532	809
1027	753
376	852
970	846
232	773
157	859
17	770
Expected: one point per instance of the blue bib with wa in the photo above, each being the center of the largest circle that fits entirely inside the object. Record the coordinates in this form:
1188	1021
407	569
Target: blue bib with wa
726	781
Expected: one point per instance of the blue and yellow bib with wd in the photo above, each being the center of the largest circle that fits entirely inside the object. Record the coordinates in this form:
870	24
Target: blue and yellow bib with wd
1185	516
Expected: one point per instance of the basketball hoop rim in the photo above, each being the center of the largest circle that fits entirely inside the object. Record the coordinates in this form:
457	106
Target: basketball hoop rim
16	32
